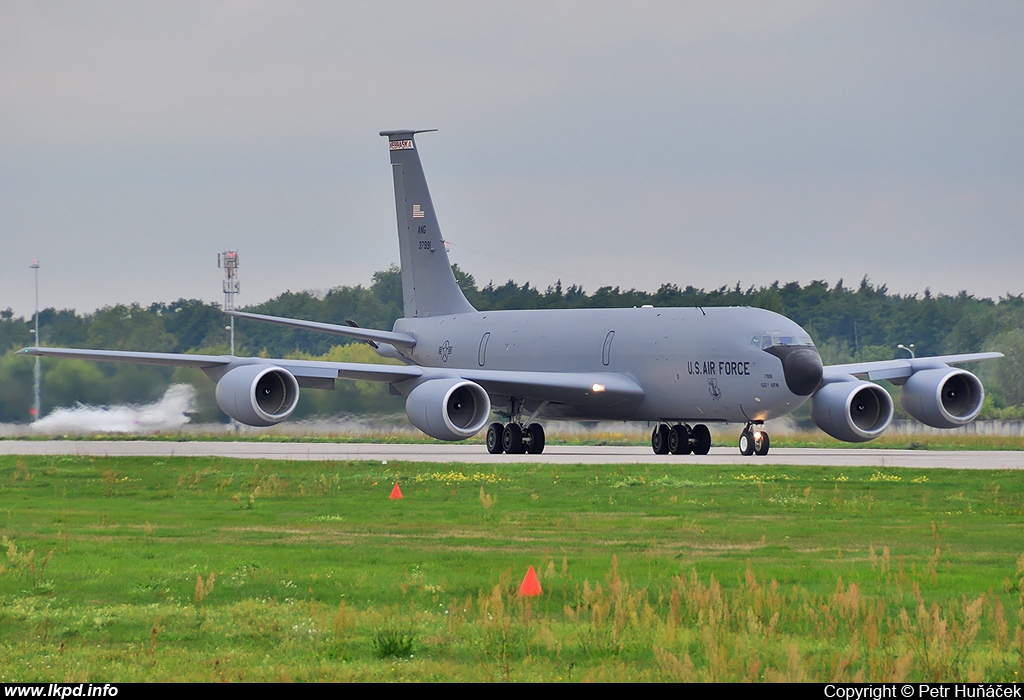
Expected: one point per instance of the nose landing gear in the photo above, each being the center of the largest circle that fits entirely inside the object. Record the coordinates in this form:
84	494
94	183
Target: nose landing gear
754	441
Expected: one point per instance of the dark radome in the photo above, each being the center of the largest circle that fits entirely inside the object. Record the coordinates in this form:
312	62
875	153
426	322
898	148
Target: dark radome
801	365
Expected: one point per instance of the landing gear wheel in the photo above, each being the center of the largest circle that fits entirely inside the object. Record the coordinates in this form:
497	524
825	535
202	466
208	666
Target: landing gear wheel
761	443
535	438
659	440
679	440
512	439
746	443
495	431
701	439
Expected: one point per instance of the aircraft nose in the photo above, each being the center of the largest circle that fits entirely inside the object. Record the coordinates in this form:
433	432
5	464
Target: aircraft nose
801	366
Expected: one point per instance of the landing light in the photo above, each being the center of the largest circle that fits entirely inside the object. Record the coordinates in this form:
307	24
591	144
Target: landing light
598	388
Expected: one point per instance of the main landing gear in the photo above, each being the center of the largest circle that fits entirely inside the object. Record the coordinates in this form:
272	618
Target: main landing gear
754	441
681	439
514	439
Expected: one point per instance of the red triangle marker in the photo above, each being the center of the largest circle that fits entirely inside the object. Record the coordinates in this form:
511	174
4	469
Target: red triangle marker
396	493
530	585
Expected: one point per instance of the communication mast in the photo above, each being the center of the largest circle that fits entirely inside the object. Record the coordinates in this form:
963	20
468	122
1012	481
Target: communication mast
228	261
37	374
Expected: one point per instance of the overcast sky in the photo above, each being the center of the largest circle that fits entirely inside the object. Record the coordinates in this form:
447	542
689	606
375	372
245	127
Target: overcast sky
602	143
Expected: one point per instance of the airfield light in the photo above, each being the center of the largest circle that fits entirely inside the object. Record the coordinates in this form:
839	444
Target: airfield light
908	348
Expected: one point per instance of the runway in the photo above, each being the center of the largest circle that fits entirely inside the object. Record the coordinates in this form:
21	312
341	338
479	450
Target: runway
553	454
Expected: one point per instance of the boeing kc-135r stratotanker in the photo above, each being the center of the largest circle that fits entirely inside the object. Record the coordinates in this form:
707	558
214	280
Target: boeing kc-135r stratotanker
679	368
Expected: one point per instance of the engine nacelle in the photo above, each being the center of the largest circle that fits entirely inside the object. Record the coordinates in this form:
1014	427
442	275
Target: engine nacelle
448	409
852	411
944	397
258	395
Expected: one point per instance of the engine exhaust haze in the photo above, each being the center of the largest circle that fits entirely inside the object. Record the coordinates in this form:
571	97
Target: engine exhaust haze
167	414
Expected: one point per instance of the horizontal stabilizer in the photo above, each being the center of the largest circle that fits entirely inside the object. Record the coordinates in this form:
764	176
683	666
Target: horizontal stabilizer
400	340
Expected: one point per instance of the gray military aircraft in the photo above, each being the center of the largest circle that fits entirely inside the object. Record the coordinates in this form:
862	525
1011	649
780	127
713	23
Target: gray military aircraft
679	368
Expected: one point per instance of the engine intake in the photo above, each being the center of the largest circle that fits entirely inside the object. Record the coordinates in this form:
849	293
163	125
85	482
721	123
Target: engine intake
944	397
852	411
258	395
448	409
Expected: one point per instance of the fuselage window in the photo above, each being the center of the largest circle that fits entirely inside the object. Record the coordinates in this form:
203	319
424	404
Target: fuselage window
606	353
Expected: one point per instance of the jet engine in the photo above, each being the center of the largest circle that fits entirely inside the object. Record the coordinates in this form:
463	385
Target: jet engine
259	395
944	397
852	411
448	409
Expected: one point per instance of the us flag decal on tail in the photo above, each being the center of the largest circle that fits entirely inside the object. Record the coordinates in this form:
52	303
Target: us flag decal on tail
417	211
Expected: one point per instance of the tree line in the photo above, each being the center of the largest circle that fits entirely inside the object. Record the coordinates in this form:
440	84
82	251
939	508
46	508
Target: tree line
860	323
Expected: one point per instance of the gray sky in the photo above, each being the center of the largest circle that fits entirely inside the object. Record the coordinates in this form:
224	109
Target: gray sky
603	143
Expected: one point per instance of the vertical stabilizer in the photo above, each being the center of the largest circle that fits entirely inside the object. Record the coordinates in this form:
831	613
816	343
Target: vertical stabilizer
428	285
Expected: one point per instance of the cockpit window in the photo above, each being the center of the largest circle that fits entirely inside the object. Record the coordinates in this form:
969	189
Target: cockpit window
773	338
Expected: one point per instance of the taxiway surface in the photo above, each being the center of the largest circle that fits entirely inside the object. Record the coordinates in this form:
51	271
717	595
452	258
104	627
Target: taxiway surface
476	454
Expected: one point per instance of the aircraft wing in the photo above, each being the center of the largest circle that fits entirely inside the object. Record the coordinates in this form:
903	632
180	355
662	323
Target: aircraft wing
593	388
139	358
310	373
896	370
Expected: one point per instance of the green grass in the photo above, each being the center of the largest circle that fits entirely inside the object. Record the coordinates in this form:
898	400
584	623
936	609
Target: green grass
134	569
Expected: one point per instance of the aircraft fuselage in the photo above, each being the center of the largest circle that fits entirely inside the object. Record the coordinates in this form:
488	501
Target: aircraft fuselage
693	364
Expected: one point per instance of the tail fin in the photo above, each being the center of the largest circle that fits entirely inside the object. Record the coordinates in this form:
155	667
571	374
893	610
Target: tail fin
428	285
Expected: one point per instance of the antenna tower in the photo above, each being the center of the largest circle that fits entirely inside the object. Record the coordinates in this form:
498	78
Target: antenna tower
228	261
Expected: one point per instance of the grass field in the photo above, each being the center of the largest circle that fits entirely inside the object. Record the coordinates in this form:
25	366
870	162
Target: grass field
210	569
